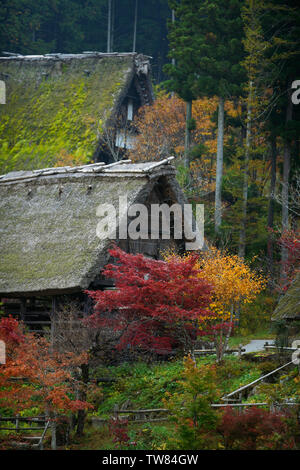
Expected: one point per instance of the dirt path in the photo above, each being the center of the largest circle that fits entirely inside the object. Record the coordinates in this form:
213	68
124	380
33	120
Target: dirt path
257	345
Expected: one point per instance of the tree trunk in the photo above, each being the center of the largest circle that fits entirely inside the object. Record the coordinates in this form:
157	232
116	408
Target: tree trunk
242	241
219	346
173	58
272	200
53	432
53	321
173	21
82	397
113	13
219	170
135	26
285	187
109	23
230	328
187	142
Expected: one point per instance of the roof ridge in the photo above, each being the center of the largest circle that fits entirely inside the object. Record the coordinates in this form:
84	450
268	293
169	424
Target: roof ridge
62	55
90	168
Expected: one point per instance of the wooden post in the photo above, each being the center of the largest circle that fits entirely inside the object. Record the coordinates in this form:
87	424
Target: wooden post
87	306
116	411
17	422
23	310
53	433
53	319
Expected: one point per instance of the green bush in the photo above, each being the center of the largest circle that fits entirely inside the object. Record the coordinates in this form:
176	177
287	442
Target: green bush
256	315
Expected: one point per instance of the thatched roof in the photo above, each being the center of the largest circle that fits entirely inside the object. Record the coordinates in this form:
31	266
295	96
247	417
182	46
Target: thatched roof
288	307
48	239
58	104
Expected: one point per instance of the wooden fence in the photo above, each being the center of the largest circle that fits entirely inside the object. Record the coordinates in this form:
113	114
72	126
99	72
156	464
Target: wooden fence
245	388
38	423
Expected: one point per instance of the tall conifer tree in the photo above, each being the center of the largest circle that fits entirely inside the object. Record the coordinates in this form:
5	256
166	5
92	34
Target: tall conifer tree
205	41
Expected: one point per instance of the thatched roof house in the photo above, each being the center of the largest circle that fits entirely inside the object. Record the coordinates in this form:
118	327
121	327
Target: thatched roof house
61	105
48	241
49	219
288	307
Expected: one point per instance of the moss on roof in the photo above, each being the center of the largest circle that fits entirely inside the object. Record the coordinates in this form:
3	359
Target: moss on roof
48	222
289	305
48	238
58	106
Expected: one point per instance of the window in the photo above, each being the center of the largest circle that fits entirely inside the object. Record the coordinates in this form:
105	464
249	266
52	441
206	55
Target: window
124	141
130	110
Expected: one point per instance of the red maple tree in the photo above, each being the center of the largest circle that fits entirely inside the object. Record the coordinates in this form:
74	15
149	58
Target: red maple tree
255	428
156	306
11	333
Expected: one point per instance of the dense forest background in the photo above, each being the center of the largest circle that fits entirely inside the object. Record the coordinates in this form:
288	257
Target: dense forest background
72	26
225	72
226	82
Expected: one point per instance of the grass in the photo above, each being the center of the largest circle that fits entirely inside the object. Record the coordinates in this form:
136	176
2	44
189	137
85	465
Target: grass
93	439
144	436
145	385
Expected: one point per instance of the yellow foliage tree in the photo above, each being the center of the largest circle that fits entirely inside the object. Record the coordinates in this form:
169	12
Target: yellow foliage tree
161	131
233	280
234	284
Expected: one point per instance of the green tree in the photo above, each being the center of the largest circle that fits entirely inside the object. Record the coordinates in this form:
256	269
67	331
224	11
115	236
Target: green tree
191	409
73	26
287	45
280	21
205	41
21	25
259	74
183	35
